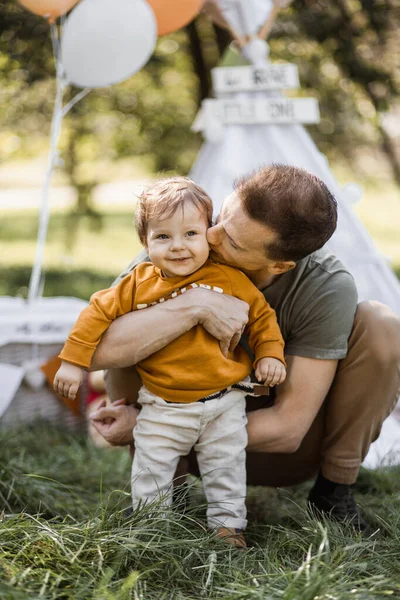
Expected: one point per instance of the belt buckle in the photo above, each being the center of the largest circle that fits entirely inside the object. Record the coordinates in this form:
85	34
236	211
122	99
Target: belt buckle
261	390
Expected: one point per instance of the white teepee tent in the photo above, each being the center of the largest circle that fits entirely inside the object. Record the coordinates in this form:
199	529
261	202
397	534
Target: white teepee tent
241	148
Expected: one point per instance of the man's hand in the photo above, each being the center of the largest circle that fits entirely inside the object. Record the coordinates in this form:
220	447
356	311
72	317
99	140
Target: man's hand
115	422
224	317
68	379
270	371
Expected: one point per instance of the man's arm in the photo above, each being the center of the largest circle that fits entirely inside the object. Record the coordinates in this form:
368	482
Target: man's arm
282	427
136	335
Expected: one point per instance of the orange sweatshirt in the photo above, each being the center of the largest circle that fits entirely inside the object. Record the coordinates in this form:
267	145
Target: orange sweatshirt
192	366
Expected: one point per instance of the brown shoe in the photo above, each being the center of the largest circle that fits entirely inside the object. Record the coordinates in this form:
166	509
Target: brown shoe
232	536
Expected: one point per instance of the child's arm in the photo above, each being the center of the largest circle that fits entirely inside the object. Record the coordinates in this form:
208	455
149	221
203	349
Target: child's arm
265	338
105	306
68	380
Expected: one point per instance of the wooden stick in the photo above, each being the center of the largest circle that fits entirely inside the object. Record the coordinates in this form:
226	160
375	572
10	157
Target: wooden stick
212	9
265	29
240	40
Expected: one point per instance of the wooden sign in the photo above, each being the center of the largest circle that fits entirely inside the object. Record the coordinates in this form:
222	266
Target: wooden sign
251	111
247	79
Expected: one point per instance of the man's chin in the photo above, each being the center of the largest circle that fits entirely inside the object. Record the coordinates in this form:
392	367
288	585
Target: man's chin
218	258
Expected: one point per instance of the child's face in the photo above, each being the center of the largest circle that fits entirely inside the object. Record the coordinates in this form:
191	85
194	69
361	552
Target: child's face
178	245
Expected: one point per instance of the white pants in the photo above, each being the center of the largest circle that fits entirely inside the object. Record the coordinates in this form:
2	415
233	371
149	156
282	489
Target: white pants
216	429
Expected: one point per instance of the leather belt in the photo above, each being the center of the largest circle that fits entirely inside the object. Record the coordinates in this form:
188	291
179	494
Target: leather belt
251	389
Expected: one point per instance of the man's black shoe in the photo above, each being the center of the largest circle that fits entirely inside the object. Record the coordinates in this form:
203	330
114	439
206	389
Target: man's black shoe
336	501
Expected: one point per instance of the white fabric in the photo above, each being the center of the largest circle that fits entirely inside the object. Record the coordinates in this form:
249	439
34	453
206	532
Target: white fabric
246	16
10	377
385	452
42	321
216	429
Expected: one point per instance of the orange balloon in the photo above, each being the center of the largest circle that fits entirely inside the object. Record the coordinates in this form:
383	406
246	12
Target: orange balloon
49	9
171	15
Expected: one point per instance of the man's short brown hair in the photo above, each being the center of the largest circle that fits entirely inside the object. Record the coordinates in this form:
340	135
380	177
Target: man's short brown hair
295	204
164	197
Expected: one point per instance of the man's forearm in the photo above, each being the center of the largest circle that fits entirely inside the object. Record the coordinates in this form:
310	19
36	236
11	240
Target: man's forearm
269	432
282	427
136	335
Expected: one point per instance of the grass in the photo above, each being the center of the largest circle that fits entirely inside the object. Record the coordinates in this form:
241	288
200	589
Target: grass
80	257
64	535
79	283
105	244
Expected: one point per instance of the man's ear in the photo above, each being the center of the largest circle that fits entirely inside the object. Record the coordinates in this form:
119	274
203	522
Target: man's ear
283	266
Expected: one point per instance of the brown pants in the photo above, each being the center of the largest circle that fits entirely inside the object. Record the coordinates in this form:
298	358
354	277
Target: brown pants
363	393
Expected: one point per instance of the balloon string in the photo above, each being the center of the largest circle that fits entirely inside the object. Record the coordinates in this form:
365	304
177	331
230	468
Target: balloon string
52	158
74	100
35	285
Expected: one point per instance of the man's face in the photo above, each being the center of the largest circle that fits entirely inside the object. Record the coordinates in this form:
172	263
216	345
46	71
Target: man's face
238	240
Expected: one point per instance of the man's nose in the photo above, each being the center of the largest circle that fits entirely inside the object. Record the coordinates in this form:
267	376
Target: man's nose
214	235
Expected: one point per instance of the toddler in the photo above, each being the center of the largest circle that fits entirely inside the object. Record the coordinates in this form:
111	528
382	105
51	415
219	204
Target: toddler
192	395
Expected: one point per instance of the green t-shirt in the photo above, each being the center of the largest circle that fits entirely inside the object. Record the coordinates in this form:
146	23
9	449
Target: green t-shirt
315	304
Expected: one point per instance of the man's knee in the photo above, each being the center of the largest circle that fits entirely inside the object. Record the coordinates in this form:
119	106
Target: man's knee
380	329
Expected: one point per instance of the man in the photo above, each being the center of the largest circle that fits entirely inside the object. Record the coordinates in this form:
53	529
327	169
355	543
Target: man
343	360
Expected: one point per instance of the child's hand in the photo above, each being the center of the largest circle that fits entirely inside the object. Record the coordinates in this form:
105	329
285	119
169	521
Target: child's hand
270	371
68	379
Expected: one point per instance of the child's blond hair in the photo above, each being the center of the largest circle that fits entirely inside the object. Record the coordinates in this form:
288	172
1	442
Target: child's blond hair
164	197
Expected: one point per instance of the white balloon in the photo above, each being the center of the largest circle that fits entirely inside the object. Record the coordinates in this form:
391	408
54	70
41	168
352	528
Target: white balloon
107	41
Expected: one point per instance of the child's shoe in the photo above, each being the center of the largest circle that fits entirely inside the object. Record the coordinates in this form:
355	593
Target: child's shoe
233	536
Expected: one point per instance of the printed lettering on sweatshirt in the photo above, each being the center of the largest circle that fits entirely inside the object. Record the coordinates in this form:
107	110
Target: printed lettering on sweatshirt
175	293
